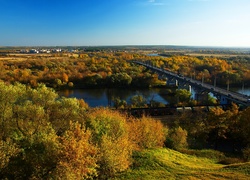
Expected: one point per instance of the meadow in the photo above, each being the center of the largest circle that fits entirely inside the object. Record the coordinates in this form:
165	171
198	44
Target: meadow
163	163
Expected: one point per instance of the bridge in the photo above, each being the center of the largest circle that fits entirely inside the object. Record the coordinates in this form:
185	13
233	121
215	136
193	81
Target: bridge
223	95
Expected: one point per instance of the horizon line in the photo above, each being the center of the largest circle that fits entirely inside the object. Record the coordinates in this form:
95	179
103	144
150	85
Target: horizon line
205	46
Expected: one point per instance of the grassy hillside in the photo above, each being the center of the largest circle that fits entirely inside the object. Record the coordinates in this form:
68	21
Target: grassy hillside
170	164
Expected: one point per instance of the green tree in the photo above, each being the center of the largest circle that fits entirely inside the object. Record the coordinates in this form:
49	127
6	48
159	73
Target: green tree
119	80
183	95
37	155
110	133
64	110
118	103
138	101
43	96
177	138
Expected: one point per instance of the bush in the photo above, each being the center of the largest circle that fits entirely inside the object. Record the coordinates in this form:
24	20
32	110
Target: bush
146	133
177	139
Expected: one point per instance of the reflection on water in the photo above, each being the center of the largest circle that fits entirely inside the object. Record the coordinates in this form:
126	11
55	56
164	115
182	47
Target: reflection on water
103	97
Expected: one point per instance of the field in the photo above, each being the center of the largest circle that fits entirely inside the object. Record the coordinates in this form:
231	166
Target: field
170	164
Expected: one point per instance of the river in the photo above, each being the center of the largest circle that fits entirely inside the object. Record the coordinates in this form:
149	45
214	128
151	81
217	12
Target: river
103	97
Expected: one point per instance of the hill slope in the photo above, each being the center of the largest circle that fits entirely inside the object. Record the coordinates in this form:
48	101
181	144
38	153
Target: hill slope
169	164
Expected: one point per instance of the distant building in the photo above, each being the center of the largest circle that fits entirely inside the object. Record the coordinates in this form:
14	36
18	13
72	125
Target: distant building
33	51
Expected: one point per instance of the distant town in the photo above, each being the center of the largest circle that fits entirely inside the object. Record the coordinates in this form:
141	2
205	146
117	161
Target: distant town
43	50
159	49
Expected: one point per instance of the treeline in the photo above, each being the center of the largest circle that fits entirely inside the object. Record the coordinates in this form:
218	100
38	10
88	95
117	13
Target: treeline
222	71
113	69
224	130
94	69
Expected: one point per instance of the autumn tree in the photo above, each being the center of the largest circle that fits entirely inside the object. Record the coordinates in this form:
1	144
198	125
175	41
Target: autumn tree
64	110
146	133
244	127
29	145
8	151
138	101
65	78
177	138
78	156
110	133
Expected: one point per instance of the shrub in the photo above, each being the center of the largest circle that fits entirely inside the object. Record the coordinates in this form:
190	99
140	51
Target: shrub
177	139
146	133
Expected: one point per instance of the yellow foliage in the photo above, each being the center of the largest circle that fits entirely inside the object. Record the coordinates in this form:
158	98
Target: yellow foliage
115	155
146	133
110	132
78	157
8	149
217	111
65	77
179	138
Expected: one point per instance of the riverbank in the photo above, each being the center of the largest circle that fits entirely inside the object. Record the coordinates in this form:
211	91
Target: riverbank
96	97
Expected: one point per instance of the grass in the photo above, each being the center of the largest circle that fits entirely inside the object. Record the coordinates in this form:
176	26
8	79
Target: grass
170	164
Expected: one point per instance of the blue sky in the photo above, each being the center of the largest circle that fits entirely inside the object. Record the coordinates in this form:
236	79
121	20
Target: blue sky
125	22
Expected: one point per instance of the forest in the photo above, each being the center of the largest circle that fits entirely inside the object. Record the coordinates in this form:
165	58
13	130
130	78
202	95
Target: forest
114	69
45	136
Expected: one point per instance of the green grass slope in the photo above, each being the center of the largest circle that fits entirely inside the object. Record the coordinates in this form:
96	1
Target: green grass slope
170	164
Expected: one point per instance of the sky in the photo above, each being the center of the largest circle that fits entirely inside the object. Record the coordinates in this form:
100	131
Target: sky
125	22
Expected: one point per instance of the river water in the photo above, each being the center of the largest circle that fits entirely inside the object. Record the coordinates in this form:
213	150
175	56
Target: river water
103	97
